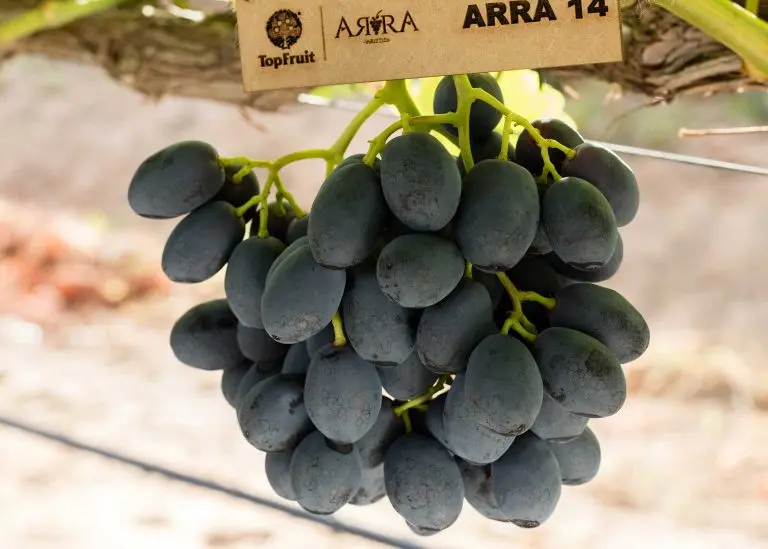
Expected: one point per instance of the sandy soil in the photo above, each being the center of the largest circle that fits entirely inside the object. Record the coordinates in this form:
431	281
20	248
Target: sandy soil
685	464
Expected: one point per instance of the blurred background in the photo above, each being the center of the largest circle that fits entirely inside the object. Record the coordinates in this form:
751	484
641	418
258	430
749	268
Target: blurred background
85	314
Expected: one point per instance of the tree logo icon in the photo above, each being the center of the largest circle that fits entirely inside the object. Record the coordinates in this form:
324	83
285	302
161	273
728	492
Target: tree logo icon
284	28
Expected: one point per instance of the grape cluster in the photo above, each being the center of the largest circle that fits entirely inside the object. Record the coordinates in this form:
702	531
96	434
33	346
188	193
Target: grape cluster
432	331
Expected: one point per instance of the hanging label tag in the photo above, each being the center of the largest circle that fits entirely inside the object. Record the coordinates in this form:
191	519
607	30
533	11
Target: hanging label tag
307	43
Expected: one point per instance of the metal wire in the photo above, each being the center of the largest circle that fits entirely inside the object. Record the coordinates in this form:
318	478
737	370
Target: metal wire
206	484
317	101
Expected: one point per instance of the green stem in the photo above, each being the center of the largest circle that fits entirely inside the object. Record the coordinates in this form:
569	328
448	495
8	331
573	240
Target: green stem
730	24
51	15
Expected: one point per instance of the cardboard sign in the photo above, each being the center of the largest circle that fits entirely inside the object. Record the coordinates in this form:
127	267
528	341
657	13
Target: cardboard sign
306	43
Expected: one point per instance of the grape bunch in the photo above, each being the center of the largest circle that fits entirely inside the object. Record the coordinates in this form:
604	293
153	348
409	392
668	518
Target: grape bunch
432	331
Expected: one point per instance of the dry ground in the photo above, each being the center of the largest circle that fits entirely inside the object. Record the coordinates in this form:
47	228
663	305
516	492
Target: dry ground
685	463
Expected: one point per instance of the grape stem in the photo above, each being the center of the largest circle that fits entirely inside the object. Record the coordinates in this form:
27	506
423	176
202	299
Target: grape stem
339	340
419	402
517	320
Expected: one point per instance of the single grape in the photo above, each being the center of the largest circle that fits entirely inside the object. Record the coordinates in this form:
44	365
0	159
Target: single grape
205	337
296	229
601	274
423	482
443	343
301	298
277	466
176	180
258	372
237	194
324	476
379	330
612	177
277	220
200	245
555	424
579	223
373	445
433	420
465	437
301	242
346	217
230	380
371	487
297	359
423	532
272	415
485	149
529	153
420	181
408	379
503	385
498	216
246	277
419	270
256	345
478	490
580	373
526	482
605	315
579	459
483	118
342	393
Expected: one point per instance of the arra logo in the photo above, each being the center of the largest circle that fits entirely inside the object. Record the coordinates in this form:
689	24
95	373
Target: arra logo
376	29
284	29
508	13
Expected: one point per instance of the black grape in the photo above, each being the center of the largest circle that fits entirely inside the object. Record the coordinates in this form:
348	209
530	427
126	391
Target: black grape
611	175
246	277
373	445
346	217
358	159
423	482
256	345
301	242
237	194
277	224
272	415
324	477
580	373
408	379
205	337
478	490
296	229
277	466
485	149
420	181
379	330
322	339
465	437
258	372
498	216
200	245
176	180
526	482
555	424
482	117
601	274
230	381
579	459
579	223
419	270
433	419
423	532
529	153
371	487
301	298
342	393
503	385
297	359
492	285
443	343
605	315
